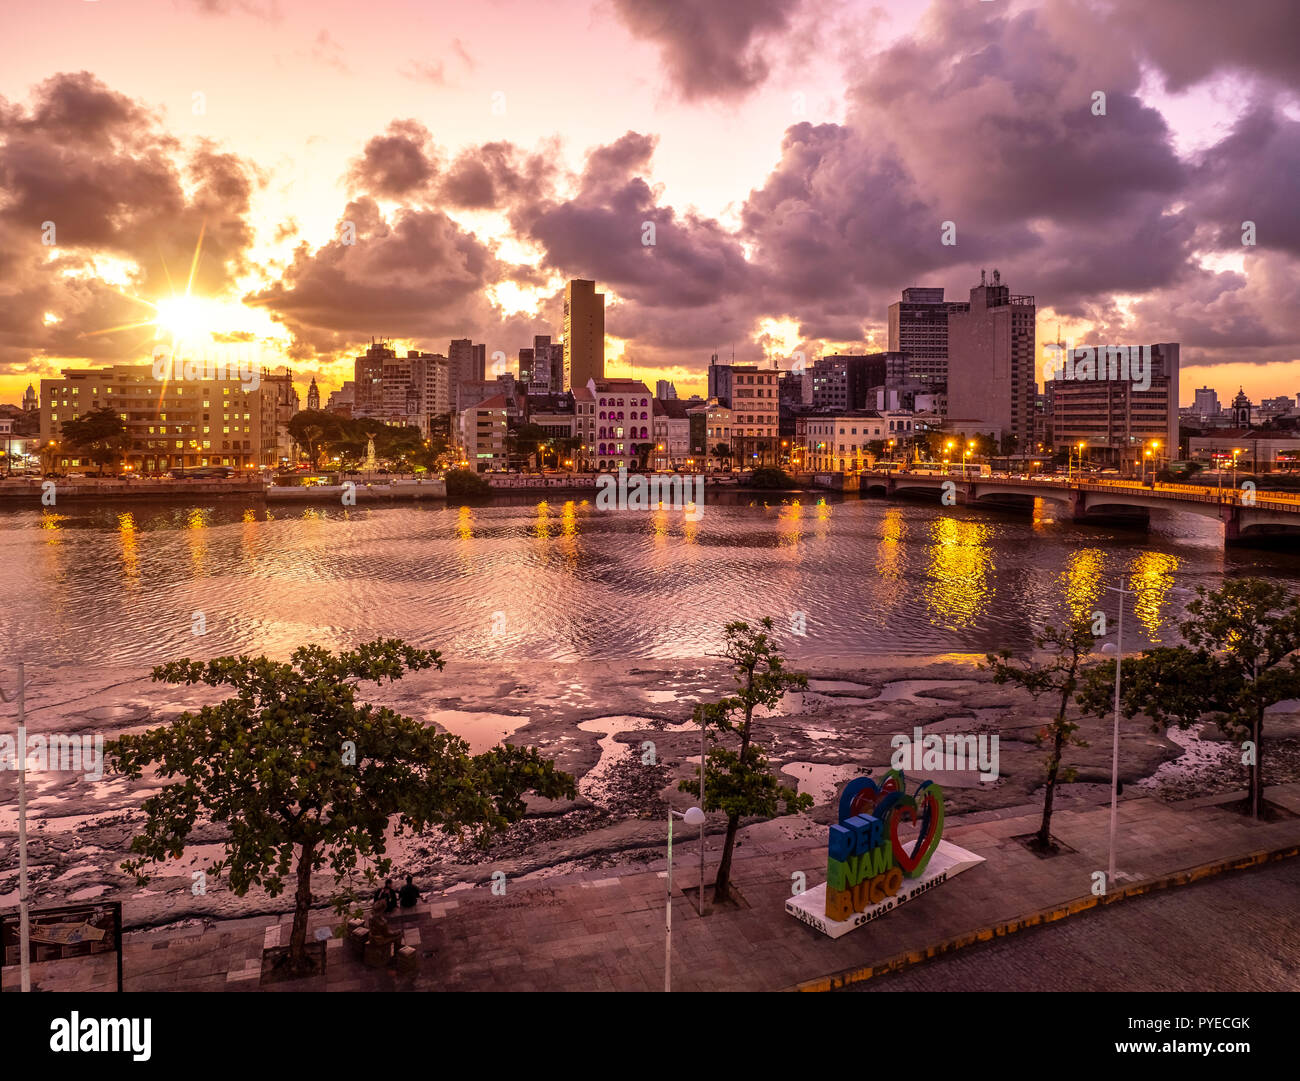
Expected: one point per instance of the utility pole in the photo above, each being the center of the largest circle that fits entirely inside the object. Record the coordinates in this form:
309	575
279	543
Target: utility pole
24	896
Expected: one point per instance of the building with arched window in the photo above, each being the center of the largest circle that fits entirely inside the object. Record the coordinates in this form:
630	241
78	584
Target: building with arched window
624	424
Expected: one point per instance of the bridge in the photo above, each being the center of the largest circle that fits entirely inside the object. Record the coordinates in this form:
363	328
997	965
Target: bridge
1248	517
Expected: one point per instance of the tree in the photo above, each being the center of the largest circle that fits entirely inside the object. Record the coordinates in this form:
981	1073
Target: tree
1059	676
294	762
876	448
466	484
99	434
723	453
740	782
1009	443
1239	659
311	429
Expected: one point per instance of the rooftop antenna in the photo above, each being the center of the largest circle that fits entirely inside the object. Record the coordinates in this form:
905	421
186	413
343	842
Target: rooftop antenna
982	282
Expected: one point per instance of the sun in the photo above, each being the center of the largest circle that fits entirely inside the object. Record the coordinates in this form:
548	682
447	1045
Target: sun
188	318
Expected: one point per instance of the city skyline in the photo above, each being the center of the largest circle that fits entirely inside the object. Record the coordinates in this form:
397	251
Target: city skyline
473	190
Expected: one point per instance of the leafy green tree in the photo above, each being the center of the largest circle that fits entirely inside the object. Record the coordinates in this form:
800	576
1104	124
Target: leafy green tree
1239	659
312	429
100	435
723	453
740	781
293	762
1058	676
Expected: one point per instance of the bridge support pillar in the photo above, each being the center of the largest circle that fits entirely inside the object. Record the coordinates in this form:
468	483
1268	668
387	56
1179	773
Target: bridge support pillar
1078	506
1231	515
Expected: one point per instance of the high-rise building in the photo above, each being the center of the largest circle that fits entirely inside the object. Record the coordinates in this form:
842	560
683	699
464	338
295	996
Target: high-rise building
918	326
1206	403
992	377
1119	419
368	374
542	366
466	362
313	396
584	333
844	381
665	391
751	394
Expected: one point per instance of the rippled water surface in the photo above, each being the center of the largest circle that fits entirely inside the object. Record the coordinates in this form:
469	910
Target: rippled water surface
128	583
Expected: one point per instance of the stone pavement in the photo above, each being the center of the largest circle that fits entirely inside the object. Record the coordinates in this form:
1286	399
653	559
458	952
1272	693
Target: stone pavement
605	932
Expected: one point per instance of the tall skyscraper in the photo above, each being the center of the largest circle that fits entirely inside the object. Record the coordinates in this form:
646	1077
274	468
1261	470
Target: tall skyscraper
918	326
992	377
368	373
584	333
466	362
1206	404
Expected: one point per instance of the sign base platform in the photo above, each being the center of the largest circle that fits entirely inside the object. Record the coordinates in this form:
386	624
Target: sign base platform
948	860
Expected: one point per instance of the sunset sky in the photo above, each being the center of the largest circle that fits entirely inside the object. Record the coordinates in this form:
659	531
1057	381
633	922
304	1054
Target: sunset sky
797	158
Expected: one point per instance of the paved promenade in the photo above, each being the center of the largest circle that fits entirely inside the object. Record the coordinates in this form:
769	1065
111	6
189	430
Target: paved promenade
597	932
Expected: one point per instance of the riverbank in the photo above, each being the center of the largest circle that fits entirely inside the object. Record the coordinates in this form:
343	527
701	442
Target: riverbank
595	719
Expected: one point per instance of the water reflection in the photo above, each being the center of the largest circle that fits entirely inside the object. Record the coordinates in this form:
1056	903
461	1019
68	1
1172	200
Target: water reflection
958	588
130	550
889	550
1151	576
1082	582
873	576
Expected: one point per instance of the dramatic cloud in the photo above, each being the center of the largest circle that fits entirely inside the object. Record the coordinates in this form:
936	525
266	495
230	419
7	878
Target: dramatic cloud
95	164
399	163
711	48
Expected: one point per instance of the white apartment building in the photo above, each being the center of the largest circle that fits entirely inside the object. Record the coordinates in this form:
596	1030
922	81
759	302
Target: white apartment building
837	443
483	434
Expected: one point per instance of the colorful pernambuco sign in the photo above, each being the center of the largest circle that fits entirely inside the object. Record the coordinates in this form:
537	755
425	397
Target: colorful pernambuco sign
866	861
870	869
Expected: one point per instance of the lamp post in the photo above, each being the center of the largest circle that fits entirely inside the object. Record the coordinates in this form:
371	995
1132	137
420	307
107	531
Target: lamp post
692	817
24	896
1235	452
1114	761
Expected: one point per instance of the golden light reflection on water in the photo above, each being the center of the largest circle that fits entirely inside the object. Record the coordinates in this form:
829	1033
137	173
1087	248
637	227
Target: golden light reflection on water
889	551
465	524
1151	576
130	549
961	561
823	526
196	533
1081	582
789	525
542	524
659	525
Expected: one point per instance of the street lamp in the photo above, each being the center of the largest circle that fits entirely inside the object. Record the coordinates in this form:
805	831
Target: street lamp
1118	649
24	896
693	816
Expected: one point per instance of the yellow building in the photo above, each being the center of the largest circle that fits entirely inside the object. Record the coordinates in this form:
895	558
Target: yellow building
584	334
175	424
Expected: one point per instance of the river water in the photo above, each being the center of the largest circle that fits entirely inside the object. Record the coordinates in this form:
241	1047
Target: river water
117	583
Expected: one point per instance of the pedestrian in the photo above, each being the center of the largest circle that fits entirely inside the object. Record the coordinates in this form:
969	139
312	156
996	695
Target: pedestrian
387	896
409	894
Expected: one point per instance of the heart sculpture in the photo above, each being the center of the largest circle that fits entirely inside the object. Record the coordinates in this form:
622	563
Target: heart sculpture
862	797
926	805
